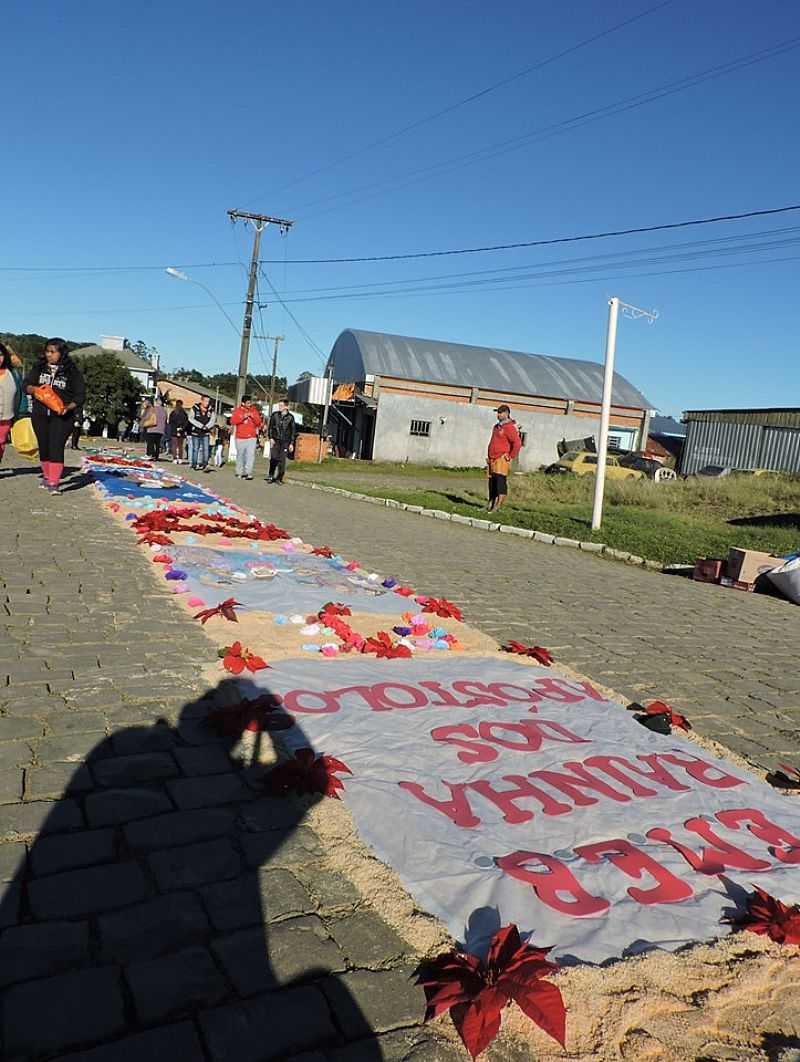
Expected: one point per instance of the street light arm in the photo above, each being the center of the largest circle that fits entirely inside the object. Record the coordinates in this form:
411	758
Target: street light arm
180	275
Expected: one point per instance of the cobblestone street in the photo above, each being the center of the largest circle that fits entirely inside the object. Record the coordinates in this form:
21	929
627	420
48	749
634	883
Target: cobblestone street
155	905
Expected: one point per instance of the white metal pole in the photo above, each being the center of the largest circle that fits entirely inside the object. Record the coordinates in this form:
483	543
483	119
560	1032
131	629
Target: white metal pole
605	413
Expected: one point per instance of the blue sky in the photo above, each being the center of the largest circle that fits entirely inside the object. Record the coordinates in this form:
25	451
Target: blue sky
130	129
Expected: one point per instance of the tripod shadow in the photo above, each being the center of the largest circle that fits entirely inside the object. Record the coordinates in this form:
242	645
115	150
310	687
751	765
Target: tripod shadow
167	902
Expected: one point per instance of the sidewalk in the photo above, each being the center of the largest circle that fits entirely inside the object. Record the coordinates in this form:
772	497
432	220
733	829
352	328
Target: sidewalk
728	660
155	907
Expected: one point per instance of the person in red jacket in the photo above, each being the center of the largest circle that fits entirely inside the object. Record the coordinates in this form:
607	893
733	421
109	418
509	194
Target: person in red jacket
504	445
247	423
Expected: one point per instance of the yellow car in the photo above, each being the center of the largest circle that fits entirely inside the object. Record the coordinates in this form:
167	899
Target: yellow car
582	463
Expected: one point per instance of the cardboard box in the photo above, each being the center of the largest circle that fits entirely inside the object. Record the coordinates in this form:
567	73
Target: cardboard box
732	584
745	565
708	570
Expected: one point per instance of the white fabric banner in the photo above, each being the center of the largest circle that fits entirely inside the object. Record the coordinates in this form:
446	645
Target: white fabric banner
501	792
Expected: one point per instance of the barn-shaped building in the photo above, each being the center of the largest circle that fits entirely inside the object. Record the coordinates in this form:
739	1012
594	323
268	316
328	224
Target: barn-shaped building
428	401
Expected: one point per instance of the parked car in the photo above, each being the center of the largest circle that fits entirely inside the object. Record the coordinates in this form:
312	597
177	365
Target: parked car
728	470
652	469
582	463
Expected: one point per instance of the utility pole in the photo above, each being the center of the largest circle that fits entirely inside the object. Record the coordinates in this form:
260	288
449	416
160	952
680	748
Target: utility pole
614	306
259	223
276	340
326	410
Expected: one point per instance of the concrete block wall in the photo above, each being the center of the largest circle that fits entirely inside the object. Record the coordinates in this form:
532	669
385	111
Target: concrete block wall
460	432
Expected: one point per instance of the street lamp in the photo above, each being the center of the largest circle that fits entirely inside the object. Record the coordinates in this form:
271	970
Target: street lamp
180	275
614	306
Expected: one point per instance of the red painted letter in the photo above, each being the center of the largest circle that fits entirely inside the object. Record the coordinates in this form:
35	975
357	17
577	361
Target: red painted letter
707	773
634	862
714	860
552	883
522	788
570	784
457	808
761	827
476	752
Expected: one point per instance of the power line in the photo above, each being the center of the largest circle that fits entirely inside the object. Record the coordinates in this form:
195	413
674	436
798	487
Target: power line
115	269
565	125
314	347
720	241
609	233
389	137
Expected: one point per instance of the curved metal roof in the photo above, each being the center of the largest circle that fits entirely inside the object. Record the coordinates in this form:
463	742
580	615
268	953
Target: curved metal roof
357	354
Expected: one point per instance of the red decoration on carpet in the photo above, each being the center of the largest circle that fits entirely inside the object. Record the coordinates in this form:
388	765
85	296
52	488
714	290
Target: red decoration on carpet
543	656
475	992
235	658
307	773
224	608
770	918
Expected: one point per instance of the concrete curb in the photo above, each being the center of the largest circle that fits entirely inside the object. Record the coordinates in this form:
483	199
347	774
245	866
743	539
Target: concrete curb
597	548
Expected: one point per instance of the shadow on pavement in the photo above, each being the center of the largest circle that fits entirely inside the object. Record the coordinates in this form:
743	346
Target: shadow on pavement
168	910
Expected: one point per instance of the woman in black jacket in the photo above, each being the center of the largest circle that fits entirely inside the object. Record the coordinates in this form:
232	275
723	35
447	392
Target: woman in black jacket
56	369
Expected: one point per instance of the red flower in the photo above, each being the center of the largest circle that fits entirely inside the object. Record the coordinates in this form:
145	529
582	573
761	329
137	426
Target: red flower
334	609
475	992
151	538
235	659
383	647
322	551
307	773
261	713
162	558
769	917
224	609
404	591
675	718
442	607
536	651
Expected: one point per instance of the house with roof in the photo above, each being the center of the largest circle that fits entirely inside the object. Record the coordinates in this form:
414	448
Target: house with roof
143	371
432	402
172	388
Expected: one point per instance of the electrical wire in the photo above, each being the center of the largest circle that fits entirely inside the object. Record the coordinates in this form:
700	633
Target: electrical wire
314	346
566	125
441	112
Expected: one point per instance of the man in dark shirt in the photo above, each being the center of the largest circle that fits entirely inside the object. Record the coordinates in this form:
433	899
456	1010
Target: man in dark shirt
281	430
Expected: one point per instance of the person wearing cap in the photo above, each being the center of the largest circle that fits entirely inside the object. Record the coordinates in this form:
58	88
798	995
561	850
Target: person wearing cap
504	445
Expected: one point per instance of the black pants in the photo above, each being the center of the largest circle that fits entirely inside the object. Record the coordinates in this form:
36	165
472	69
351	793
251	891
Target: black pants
277	463
52	434
498	485
153	440
76	435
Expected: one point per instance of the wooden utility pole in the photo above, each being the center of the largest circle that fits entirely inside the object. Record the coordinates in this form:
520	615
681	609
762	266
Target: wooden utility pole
276	340
259	223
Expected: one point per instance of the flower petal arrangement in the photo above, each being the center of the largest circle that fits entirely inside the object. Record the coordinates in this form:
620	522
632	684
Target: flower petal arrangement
224	608
236	659
770	917
476	992
659	717
543	656
322	551
440	606
384	648
307	773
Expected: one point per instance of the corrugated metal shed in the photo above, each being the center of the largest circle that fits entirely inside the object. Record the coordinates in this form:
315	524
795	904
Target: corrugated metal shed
754	438
778	418
357	355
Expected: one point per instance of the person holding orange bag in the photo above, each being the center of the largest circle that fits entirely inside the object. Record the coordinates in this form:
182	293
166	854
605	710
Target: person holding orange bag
10	394
55	375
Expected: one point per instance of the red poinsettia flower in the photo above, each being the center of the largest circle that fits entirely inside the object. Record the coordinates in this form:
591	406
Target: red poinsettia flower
162	558
153	538
404	591
440	606
236	659
769	917
475	992
259	714
307	773
224	608
543	656
322	551
334	609
384	648
675	718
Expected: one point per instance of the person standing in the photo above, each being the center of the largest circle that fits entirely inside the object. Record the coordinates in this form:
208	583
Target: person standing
122	429
74	442
246	422
282	431
55	369
11	393
504	445
154	421
201	421
179	428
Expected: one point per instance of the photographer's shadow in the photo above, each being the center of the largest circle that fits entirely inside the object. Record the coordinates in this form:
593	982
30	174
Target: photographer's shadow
169	903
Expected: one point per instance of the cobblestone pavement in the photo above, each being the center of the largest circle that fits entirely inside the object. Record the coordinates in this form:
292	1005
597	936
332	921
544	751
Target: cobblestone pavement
154	906
728	659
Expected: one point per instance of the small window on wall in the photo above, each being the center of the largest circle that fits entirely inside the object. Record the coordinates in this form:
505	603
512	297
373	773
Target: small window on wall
615	442
421	428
